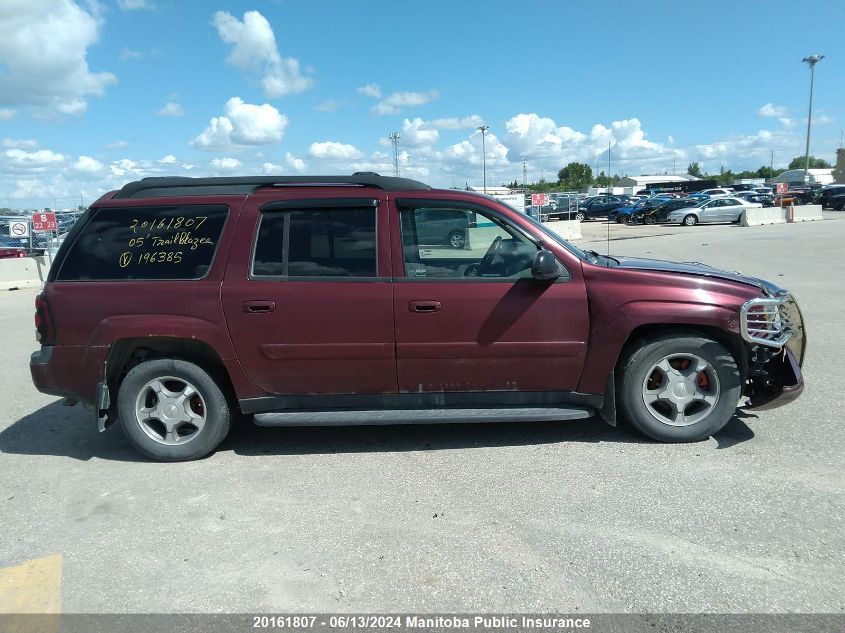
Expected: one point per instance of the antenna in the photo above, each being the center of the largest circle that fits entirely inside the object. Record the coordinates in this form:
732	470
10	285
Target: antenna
608	193
394	139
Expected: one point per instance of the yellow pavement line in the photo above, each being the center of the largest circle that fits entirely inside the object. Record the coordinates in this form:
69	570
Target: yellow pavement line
33	587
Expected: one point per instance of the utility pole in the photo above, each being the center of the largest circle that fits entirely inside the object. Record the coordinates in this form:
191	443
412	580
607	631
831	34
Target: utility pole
812	60
525	174
484	129
394	139
608	167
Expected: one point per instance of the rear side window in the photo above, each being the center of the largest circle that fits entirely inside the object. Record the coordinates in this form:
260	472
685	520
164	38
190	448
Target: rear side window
316	243
145	243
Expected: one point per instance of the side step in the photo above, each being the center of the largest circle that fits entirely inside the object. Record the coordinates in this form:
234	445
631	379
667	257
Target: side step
422	416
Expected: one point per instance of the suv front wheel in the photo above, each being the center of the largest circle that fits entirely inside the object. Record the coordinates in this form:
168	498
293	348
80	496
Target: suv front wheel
172	410
678	388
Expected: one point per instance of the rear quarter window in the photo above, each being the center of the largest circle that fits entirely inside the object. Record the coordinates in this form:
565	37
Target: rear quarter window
144	243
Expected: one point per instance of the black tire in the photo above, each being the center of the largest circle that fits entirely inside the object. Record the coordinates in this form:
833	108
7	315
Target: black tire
580	216
641	359
215	407
689	220
457	239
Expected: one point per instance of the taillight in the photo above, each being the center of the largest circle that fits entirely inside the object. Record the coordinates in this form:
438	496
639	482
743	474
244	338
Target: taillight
43	323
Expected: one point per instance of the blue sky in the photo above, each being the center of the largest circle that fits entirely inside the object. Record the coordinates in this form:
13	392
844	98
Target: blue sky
94	94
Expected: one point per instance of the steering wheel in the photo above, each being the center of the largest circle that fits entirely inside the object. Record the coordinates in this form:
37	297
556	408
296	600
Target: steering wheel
491	253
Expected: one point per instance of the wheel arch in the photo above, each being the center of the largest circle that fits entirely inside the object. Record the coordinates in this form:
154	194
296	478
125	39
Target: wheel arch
126	353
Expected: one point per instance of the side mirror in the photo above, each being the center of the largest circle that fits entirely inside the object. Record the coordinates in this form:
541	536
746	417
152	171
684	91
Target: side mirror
545	266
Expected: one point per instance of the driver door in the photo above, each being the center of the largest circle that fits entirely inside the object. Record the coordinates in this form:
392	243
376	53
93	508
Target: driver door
473	319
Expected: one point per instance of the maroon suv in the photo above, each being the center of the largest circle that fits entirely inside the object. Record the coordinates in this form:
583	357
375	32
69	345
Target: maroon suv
176	303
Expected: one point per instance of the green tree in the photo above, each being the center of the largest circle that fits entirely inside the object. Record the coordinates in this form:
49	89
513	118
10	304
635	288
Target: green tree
815	163
693	169
575	176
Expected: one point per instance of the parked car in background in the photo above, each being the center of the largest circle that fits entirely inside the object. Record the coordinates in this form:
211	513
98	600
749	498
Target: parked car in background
837	202
793	197
711	193
623	214
823	195
725	209
767	200
443	227
599	206
661	212
6	252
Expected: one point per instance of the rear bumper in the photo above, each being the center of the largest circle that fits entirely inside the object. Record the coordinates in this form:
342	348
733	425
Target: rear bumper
786	382
68	371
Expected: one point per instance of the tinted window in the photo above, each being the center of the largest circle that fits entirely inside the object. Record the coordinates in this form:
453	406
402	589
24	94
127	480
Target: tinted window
316	243
175	242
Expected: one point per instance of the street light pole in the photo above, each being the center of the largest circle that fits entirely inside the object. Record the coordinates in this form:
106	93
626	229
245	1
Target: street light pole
484	129
812	60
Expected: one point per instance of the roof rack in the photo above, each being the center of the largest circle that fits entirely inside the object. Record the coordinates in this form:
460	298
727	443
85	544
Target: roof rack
185	186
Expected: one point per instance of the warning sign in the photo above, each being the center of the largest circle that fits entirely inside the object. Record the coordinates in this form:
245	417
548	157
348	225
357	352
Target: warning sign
18	228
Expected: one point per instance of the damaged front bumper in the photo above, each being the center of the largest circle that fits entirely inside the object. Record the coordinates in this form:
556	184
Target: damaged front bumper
773	327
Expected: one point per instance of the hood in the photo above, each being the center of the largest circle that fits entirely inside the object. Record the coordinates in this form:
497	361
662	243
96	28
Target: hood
697	268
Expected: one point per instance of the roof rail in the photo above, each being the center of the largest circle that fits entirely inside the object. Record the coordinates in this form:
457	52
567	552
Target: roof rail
186	186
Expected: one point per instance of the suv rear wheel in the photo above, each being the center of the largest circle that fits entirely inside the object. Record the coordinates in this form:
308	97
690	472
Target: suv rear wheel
172	410
679	388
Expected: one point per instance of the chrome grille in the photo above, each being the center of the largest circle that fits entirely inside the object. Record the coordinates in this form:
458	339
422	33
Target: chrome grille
767	321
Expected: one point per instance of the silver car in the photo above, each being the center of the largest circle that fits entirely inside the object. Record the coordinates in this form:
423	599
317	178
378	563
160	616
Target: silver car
724	209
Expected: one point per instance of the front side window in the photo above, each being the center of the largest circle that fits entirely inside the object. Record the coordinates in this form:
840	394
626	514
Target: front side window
144	243
316	243
454	242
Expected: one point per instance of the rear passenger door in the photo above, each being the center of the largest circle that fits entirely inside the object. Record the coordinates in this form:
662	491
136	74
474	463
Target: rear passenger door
307	295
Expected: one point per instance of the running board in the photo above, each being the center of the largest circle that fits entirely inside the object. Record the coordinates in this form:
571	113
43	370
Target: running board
422	416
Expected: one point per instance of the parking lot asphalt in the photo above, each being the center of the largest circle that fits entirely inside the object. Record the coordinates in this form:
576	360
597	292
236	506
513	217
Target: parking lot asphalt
573	516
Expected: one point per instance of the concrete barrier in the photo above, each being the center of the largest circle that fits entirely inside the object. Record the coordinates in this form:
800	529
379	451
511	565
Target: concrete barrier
567	229
805	213
764	215
22	272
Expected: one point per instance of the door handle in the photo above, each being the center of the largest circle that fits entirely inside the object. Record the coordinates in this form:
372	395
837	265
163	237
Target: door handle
258	307
424	306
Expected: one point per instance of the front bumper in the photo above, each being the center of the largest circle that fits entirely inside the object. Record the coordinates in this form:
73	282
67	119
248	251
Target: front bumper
773	326
783	384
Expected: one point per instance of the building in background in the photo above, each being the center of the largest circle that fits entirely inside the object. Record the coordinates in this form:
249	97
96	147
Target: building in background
821	176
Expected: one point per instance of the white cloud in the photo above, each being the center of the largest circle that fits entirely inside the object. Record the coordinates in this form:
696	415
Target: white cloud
167	160
171	108
127	53
823	119
242	124
19	143
297	164
399	100
226	163
7	113
454	123
414	134
787	122
271	168
116	144
332	149
770	110
37	161
330	105
44	46
371	90
254	51
88	165
135	5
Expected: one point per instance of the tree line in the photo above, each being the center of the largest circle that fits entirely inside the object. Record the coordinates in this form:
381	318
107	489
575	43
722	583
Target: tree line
579	176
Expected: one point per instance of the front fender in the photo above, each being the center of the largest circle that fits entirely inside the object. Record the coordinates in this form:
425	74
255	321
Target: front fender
608	336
